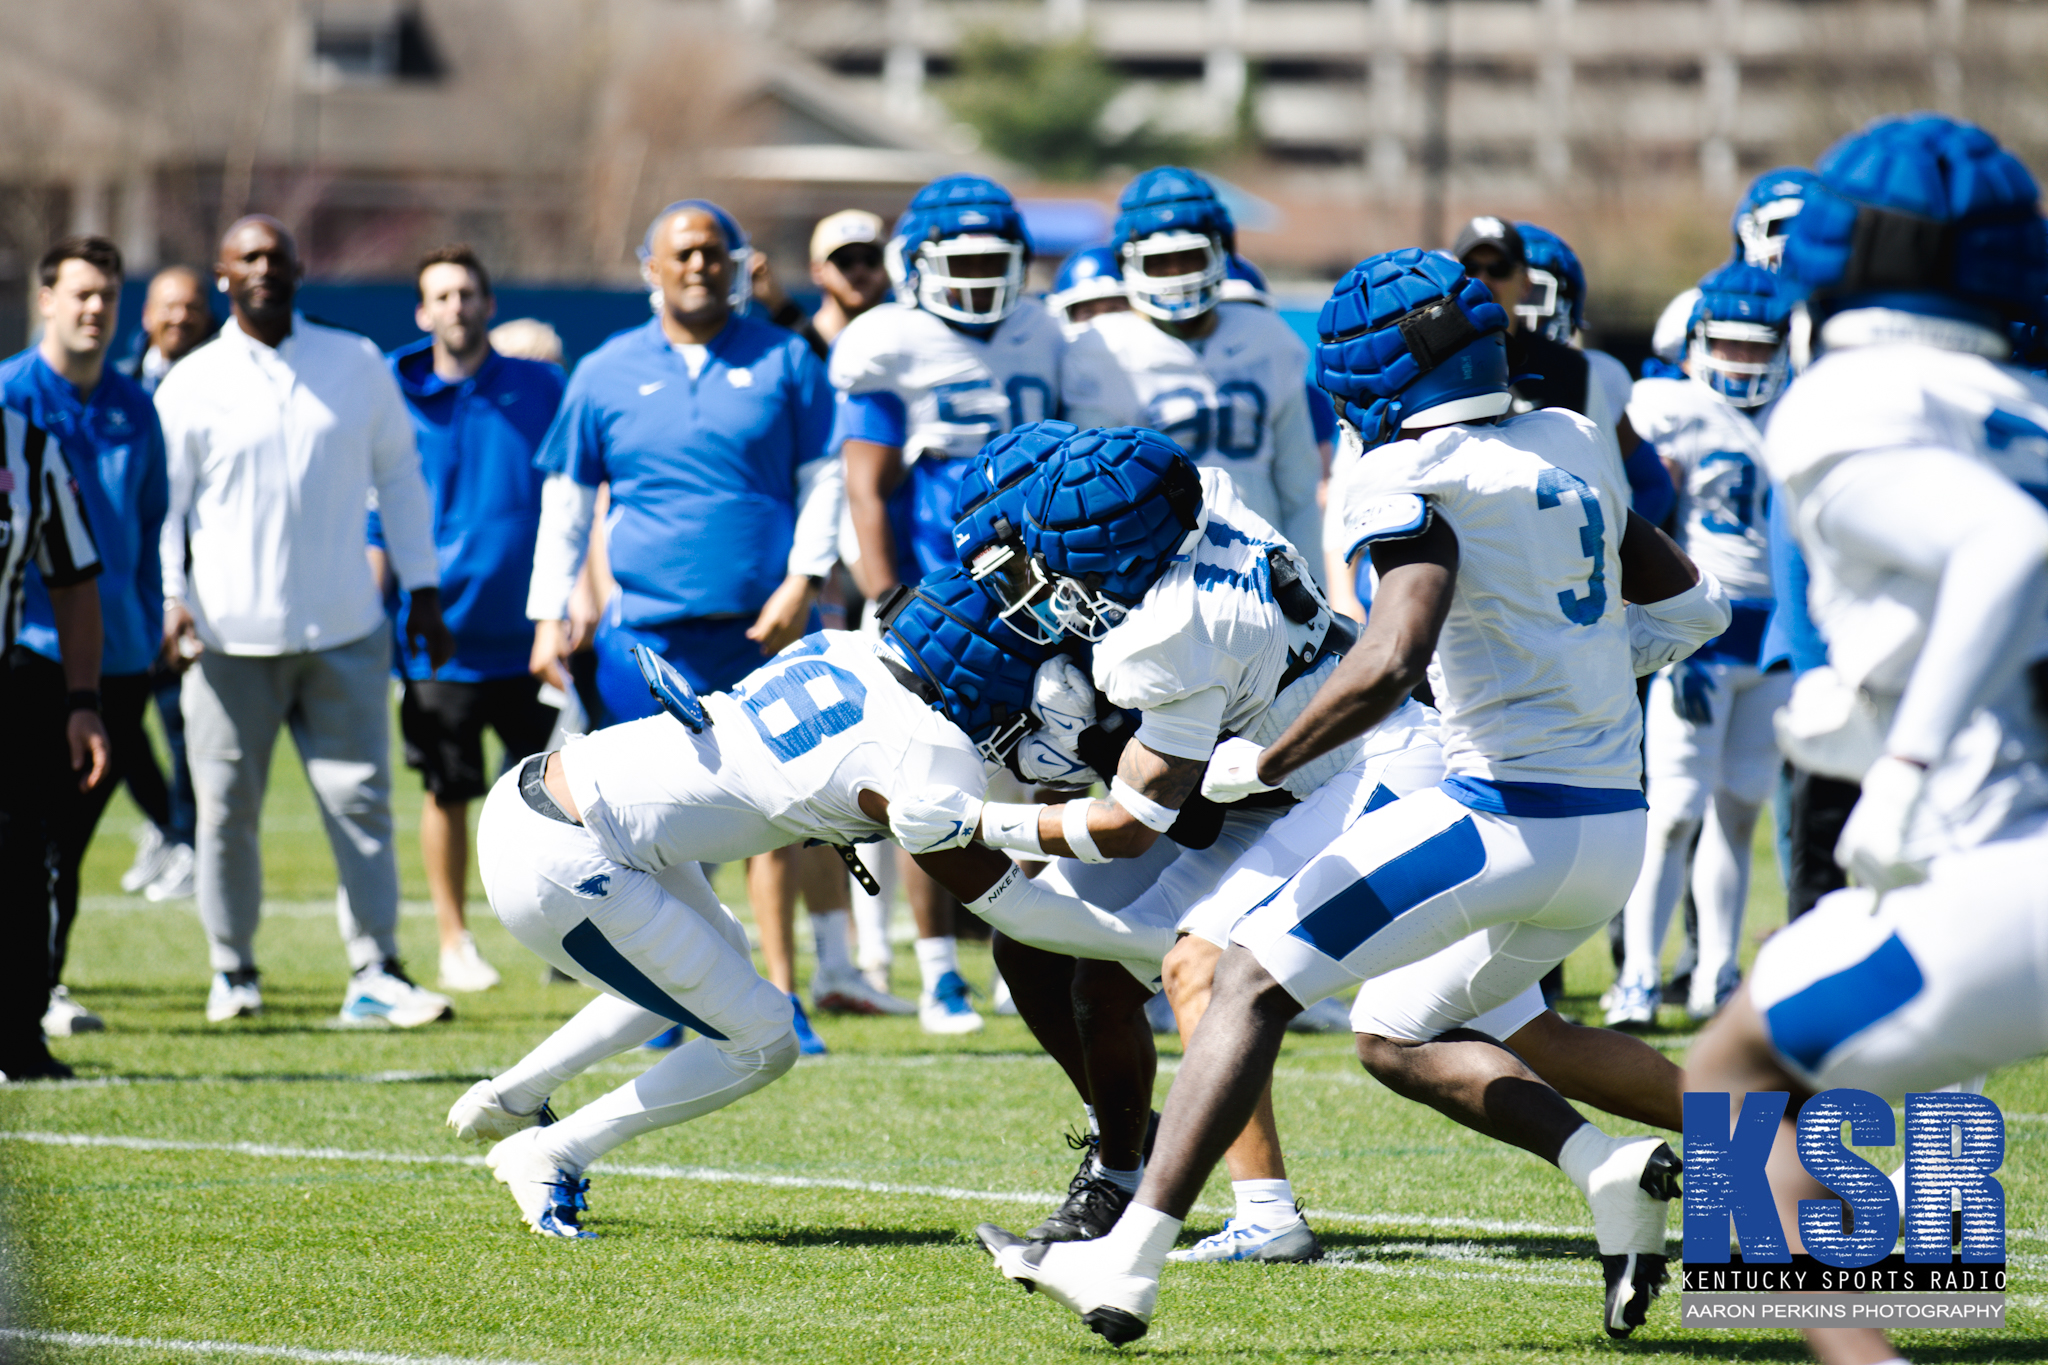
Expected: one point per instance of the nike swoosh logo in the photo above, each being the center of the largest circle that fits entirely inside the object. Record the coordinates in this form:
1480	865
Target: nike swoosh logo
646	389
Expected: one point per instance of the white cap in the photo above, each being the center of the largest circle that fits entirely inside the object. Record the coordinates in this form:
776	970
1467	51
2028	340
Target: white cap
843	228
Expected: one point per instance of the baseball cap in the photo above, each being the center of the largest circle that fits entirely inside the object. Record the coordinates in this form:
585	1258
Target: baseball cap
1487	230
843	229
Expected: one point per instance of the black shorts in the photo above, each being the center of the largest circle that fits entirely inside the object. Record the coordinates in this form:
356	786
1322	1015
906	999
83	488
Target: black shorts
443	724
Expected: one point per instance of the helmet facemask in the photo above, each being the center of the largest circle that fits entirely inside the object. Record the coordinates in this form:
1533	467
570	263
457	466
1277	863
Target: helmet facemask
1743	383
974	300
1179	297
1762	231
1017	582
1082	611
1546	309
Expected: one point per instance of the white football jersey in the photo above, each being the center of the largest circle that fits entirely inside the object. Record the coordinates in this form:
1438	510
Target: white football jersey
1908	398
1233	401
798	740
1721	491
1210	626
959	392
1531	674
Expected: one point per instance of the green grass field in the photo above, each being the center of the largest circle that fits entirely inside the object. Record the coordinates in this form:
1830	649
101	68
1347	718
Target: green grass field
281	1185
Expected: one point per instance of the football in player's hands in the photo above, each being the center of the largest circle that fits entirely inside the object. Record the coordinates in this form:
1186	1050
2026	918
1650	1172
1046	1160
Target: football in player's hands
934	819
1233	772
1873	844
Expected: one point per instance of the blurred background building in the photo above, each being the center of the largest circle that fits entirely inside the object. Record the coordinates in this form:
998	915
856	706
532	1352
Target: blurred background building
548	131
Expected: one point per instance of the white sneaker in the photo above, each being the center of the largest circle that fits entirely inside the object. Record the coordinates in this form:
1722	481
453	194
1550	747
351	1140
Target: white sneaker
877	978
849	993
464	969
151	848
175	882
1116	1305
383	994
1631	1193
550	1198
946	1009
481	1116
1241	1241
229	1001
66	1016
1000	999
1633	1007
1328	1015
1700	1007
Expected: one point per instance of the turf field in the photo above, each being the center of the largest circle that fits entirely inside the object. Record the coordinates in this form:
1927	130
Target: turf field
281	1185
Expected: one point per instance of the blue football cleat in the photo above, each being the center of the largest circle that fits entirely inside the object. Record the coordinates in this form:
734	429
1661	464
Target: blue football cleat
808	1043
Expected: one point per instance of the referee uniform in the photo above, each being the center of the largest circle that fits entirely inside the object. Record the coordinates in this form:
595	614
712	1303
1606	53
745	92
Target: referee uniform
41	523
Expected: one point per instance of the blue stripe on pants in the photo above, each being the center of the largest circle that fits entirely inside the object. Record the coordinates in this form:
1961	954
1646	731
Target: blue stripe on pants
1444	860
1810	1024
592	951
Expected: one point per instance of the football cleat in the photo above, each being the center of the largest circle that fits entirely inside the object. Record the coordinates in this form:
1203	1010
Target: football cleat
382	994
463	968
481	1116
65	1016
1631	1194
808	1043
551	1199
851	994
1116	1307
175	882
672	1036
232	999
152	850
1328	1015
1241	1241
1633	1007
1000	999
1699	1008
946	1008
1091	1209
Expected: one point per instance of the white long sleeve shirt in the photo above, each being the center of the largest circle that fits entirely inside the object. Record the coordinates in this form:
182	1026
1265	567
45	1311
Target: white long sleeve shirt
276	457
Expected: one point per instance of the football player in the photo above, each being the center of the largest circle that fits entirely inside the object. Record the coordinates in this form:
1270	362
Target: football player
1710	752
592	856
1225	383
1495	555
1913	461
1090	283
961	356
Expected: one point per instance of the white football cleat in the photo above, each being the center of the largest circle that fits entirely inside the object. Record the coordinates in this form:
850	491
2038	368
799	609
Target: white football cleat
1631	1193
66	1016
464	969
382	993
230	1000
550	1198
1327	1015
1634	1007
481	1116
1116	1306
1241	1241
1000	1000
947	1008
849	993
176	882
151	849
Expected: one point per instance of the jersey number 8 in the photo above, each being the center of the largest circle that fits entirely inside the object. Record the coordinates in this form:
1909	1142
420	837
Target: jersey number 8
805	704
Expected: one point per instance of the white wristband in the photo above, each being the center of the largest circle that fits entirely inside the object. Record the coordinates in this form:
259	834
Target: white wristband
1012	827
1150	813
1074	829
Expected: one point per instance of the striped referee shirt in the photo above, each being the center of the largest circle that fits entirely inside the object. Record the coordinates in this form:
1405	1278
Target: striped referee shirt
40	520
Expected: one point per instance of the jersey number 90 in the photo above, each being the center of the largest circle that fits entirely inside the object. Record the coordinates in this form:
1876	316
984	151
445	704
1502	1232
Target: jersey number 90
1234	427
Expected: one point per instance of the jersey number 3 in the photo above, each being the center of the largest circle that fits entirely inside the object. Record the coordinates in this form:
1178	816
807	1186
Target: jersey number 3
1550	484
804	705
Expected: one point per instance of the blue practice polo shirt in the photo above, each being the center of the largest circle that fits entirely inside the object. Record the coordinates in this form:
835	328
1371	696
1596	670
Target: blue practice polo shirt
116	452
703	471
478	438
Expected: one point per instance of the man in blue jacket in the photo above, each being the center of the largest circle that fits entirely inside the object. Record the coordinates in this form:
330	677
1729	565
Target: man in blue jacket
478	417
107	428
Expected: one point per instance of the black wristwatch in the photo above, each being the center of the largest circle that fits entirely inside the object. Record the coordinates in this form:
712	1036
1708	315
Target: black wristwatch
82	699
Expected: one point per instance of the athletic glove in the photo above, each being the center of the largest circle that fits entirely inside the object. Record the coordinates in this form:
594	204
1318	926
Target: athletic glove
1692	692
935	819
1233	772
1872	848
1063	700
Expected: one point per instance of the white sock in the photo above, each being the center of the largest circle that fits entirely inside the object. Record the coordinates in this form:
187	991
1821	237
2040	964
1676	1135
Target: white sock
1095	1129
692	1081
603	1028
1127	1181
1140	1240
828	927
1265	1203
1582	1154
936	957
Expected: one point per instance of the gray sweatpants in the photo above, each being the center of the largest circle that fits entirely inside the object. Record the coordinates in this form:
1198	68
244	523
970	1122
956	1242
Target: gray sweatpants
335	701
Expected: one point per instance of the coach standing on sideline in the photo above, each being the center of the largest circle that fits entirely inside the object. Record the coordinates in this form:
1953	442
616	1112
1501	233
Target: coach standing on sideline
278	431
710	427
54	732
478	417
107	429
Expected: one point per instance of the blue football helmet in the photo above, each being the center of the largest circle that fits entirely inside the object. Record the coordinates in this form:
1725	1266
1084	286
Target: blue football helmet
1244	282
1766	213
1740	302
1409	339
1105	516
1164	212
944	632
988	519
1088	276
1556	302
739	291
1922	215
955	217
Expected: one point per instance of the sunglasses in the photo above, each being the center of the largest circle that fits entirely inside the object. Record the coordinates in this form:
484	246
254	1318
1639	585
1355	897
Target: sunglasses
1499	268
857	257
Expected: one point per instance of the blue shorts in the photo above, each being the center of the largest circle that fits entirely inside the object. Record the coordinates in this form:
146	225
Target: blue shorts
713	654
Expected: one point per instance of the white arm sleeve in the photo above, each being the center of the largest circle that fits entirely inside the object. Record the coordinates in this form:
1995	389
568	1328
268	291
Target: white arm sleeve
401	490
1297	470
1661	633
1944	518
566	509
1043	918
820	497
1186	727
181	448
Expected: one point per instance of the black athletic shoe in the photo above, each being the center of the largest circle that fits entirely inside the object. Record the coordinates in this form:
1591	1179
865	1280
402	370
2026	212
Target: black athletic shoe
40	1068
1634	1279
1092	1207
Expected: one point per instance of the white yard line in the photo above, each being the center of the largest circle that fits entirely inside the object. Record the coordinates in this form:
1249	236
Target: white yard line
99	1341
